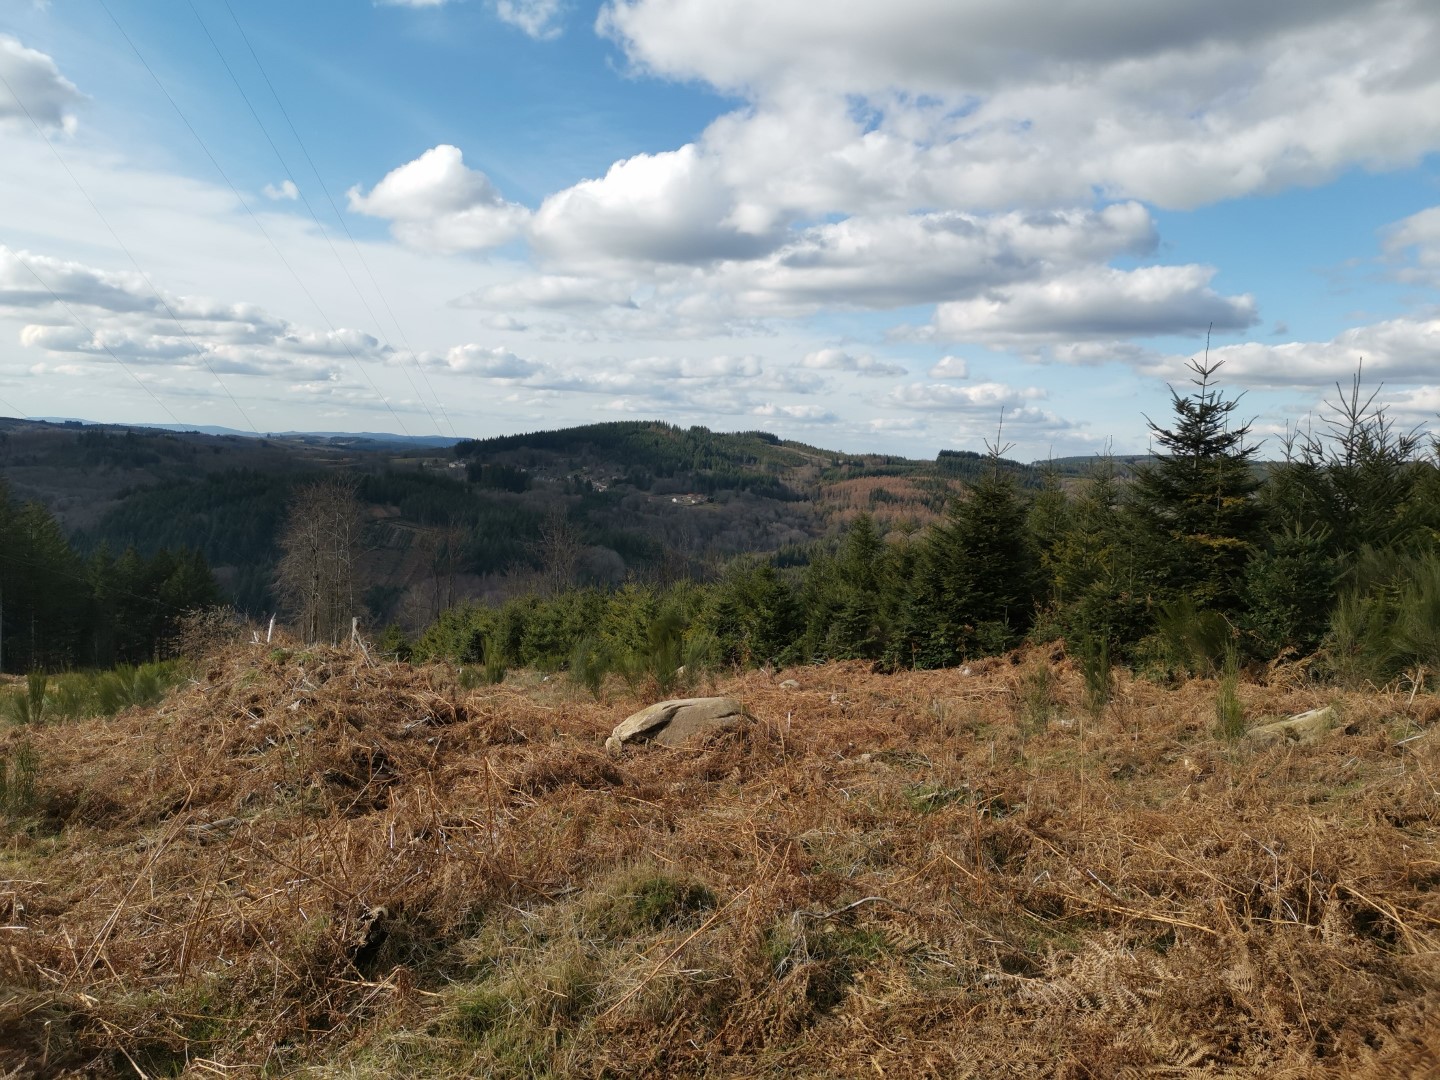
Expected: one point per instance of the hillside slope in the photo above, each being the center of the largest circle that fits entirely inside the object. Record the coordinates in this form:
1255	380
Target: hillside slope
639	498
323	867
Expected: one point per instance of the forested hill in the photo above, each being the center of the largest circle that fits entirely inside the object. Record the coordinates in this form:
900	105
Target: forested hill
631	499
640	452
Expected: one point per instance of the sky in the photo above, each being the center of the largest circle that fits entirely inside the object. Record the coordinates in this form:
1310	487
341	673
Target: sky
868	226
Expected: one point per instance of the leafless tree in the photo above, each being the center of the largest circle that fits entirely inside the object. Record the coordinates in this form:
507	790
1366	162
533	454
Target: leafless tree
444	550
558	548
320	542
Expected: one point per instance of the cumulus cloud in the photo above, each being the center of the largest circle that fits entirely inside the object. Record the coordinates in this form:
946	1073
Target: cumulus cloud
896	424
940	396
671	207
975	409
933	44
897	260
540	19
950	367
1397	350
490	363
40	284
124	318
992	102
285	190
554	291
35	86
840	360
810	414
1416	237
1100	303
705	367
438	204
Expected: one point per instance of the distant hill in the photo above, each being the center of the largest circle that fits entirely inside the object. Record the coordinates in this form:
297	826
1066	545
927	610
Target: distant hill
356	439
634	498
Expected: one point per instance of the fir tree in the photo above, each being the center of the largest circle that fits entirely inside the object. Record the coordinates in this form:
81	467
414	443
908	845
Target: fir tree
974	589
1091	566
1193	509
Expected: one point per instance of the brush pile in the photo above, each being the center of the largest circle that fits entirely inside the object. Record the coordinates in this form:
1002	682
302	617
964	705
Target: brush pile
302	863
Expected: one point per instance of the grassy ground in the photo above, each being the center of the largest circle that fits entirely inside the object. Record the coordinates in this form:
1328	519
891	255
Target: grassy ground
301	864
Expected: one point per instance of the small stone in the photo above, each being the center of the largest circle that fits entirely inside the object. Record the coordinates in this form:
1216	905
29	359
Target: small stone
789	684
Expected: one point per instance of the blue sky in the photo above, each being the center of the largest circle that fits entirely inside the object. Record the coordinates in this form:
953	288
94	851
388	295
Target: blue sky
865	225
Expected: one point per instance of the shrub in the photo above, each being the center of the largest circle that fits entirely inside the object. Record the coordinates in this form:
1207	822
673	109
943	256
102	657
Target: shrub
1094	658
1037	697
28	706
17	779
1190	640
1229	712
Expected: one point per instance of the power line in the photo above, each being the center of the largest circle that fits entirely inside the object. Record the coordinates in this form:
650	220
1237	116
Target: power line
289	173
199	352
254	217
95	337
12	406
339	217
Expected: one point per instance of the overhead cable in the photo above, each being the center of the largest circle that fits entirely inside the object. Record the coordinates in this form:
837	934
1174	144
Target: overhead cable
255	218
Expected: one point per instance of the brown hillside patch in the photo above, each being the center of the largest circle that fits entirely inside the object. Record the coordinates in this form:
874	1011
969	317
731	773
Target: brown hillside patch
306	864
888	499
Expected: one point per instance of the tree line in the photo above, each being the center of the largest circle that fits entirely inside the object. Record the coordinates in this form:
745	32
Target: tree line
1201	559
60	609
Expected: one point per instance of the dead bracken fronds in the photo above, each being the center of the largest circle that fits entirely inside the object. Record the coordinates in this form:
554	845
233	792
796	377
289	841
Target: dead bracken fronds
306	862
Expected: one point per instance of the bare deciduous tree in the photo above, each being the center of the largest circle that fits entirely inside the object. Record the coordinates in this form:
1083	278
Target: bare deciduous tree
558	547
320	542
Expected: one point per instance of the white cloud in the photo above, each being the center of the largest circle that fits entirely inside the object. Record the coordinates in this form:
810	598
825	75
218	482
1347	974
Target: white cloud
685	367
123	318
950	367
555	291
1099	303
1416	237
491	363
903	424
931	44
897	260
975	410
670	207
540	19
810	414
437	204
992	102
35	86
1416	407
942	397
286	190
839	360
1397	350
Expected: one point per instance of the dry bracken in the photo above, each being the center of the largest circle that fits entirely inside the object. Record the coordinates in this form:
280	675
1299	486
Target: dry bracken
306	863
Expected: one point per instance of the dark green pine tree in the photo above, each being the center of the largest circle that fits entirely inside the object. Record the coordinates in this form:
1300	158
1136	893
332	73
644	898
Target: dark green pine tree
843	596
1090	566
42	587
753	614
975	584
1193	510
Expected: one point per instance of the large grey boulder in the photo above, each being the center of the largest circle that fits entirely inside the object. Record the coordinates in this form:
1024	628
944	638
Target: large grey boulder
679	722
1304	728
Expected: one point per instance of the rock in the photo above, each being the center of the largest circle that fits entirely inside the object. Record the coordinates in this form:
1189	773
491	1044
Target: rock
789	684
1304	728
208	832
679	722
